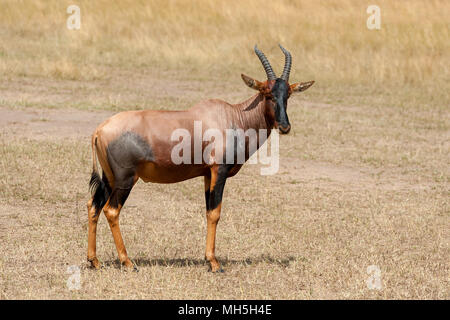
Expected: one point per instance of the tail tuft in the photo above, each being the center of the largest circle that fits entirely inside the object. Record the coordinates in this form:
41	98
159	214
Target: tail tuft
100	190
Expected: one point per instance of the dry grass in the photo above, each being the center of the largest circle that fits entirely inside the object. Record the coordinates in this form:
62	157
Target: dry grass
364	177
407	61
338	207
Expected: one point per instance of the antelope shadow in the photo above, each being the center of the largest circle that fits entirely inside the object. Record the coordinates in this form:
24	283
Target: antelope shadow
188	262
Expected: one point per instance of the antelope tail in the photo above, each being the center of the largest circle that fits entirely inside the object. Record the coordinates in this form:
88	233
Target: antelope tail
98	186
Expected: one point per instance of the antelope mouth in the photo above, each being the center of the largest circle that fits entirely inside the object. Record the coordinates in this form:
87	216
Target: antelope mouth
284	129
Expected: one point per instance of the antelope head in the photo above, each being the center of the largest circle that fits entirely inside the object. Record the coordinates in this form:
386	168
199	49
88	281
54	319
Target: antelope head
277	90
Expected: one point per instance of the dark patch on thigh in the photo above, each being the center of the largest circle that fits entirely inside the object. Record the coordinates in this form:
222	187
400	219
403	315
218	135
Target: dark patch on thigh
106	182
118	197
124	154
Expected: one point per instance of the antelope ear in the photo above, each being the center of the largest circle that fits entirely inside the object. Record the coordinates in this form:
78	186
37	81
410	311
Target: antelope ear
252	83
302	86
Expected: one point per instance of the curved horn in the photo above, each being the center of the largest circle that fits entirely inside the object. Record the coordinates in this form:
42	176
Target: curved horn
287	64
267	67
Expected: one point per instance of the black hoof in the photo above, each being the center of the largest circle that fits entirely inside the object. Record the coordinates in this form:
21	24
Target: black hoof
217	271
129	269
94	265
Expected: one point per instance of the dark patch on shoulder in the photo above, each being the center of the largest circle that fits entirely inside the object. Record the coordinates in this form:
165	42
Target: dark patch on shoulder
237	151
207	195
215	197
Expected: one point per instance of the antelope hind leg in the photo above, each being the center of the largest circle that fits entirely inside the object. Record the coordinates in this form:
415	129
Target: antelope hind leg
92	236
112	211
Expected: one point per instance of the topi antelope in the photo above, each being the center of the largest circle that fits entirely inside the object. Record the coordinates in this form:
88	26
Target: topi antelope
137	144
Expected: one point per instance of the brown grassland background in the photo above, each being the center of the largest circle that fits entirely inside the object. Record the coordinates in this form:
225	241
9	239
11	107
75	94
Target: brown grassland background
364	174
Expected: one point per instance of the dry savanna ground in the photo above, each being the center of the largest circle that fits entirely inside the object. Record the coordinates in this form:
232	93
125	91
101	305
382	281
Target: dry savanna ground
364	175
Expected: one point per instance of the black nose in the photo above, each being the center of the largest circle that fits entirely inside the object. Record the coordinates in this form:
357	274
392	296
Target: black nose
285	129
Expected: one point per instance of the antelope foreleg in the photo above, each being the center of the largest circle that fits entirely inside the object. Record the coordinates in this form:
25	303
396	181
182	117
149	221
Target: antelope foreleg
213	207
